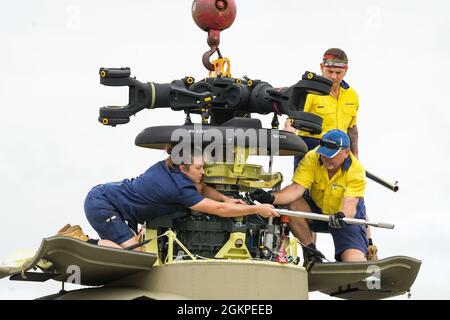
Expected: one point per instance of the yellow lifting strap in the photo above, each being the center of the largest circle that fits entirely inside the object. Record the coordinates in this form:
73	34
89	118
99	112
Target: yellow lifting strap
219	68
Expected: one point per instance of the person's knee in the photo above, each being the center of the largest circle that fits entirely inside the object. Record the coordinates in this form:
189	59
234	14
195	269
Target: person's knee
108	243
299	205
133	240
295	221
300	229
353	255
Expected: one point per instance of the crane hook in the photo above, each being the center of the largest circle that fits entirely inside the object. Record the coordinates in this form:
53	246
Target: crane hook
206	58
213	16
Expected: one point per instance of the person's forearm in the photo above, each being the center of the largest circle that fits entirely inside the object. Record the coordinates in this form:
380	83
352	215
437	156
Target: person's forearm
349	213
353	135
289	194
213	194
228	210
349	206
281	198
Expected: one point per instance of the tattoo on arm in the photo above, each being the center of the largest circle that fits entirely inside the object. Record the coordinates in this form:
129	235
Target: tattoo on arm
353	135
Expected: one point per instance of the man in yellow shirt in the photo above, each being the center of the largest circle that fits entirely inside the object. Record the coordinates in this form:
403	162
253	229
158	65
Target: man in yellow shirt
328	180
338	109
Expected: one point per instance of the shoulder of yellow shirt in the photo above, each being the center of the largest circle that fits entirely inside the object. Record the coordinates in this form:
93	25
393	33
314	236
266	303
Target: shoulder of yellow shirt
350	90
356	168
312	98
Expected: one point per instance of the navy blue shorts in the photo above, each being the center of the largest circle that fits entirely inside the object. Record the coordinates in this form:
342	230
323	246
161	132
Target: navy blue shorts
104	217
351	236
311	143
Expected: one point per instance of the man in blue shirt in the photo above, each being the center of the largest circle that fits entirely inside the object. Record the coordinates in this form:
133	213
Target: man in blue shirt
114	209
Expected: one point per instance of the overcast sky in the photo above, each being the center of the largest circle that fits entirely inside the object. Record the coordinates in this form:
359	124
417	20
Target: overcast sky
53	150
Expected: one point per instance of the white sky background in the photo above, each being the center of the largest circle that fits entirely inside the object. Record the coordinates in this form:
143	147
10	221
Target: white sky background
53	150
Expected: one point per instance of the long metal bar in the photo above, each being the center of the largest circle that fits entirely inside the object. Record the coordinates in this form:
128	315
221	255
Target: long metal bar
391	186
324	217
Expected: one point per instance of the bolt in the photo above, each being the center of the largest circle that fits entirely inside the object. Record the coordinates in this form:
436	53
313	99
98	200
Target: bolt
221	5
239	243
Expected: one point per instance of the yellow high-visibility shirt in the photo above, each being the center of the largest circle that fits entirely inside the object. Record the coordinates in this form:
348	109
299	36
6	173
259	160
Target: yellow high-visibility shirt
328	194
336	113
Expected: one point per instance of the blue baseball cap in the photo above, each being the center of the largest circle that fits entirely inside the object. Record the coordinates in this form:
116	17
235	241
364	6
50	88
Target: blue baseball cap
332	142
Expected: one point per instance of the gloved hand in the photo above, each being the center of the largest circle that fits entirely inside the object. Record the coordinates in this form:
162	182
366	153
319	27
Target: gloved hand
372	251
336	220
261	196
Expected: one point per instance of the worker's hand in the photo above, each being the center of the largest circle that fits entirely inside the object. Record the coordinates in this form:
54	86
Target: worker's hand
261	196
288	126
336	220
372	251
235	201
266	210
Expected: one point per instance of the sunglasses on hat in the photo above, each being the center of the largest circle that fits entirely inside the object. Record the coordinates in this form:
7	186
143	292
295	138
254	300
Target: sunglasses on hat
330	144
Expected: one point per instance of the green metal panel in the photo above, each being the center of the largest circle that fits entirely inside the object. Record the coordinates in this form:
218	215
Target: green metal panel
97	264
346	280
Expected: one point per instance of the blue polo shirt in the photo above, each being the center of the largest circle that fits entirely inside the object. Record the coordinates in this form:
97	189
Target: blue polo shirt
156	192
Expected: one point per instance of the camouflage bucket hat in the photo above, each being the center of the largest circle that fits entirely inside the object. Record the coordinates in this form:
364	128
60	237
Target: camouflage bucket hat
335	58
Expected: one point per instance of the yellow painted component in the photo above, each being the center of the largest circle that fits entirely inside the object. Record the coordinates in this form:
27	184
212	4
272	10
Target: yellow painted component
171	236
246	176
249	83
102	73
152	246
240	158
294	247
190	80
220	180
238	81
277	179
225	170
231	251
184	248
219	68
208	99
44	264
105	121
310	75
